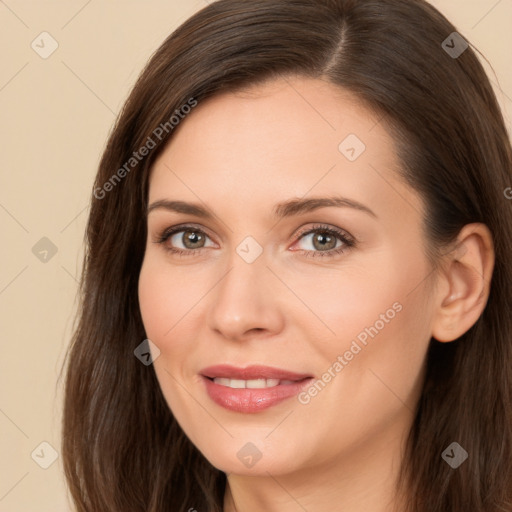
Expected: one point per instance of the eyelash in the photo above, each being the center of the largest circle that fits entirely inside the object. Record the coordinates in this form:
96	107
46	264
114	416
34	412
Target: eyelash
348	241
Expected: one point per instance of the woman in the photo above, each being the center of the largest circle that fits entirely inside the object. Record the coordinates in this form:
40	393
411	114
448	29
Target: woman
296	288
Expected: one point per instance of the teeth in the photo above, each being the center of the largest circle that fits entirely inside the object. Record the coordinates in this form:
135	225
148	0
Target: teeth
237	384
252	384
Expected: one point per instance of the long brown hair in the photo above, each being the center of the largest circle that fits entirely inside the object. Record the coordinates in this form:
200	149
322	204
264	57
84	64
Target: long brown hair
122	448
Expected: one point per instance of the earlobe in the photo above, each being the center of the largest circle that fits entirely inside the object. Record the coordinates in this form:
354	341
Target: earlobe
466	279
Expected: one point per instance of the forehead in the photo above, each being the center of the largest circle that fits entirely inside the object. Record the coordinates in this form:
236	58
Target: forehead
286	138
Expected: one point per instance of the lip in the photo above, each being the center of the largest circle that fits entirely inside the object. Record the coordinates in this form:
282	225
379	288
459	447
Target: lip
252	400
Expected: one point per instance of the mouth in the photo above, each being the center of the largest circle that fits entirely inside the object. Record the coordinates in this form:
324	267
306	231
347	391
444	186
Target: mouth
252	389
252	383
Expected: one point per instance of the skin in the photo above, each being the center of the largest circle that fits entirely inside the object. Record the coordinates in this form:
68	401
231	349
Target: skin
239	155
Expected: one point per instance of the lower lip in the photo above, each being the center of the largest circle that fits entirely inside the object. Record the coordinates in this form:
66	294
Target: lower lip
251	400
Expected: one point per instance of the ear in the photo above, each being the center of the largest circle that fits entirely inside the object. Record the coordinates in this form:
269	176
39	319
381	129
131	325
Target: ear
464	283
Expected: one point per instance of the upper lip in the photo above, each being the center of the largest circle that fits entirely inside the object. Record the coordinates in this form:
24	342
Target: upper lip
251	372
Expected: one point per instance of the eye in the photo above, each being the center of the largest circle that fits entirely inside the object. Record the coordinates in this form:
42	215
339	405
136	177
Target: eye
192	239
325	241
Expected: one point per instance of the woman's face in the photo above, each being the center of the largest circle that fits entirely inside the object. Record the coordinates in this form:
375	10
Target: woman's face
281	272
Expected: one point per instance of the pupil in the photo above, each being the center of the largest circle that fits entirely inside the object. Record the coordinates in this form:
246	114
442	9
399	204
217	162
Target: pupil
324	239
192	237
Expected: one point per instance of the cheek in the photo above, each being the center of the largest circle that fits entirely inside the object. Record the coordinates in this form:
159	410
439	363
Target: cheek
166	304
171	300
165	296
382	339
345	304
154	301
378	380
380	326
384	295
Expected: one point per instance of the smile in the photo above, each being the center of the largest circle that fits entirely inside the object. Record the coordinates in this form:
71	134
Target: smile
252	384
252	389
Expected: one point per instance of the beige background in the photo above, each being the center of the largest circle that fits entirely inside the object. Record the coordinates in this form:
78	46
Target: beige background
55	116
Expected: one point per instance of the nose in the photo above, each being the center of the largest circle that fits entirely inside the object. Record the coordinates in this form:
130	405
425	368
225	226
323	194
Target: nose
246	301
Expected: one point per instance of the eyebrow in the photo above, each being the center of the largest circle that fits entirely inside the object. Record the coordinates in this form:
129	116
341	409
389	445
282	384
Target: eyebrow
282	210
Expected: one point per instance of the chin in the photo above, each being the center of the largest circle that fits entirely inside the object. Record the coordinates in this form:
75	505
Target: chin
249	458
